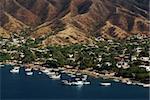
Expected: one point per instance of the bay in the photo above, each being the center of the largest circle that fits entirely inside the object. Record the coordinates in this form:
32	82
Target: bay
41	87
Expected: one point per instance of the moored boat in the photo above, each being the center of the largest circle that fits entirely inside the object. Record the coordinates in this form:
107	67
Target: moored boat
28	69
15	70
87	83
105	84
55	76
29	73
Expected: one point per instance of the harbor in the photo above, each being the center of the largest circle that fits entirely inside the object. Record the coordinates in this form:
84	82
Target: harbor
41	85
77	77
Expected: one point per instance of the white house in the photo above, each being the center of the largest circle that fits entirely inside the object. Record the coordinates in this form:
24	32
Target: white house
144	58
146	67
133	58
138	49
123	65
108	63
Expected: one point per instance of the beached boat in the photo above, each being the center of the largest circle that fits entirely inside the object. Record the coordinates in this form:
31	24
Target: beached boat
29	73
15	70
105	84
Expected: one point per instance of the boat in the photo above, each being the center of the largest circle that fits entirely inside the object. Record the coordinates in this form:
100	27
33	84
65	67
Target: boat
28	69
87	83
55	76
73	76
63	71
1	66
50	73
105	84
77	79
29	73
45	71
129	82
40	73
84	77
78	83
116	80
65	82
15	70
146	85
78	74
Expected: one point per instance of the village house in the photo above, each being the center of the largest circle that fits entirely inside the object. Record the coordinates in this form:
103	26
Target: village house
145	59
123	65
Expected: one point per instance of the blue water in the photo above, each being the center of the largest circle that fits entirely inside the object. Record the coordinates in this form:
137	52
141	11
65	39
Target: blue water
19	86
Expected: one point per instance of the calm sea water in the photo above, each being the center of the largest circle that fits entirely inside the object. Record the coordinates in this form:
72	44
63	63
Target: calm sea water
40	87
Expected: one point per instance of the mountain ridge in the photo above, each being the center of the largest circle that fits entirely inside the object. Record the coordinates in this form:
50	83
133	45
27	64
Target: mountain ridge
93	18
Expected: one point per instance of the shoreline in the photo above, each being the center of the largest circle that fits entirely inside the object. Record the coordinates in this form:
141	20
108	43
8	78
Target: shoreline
85	71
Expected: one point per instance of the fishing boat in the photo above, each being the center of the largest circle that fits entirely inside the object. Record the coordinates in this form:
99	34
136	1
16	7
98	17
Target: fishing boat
87	83
116	80
15	70
50	73
146	85
84	77
45	71
78	74
78	83
129	82
55	76
105	84
29	73
63	71
1	66
28	69
66	82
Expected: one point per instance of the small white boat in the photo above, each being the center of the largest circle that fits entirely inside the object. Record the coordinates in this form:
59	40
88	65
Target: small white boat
29	73
45	71
84	77
78	74
77	79
1	66
56	69
105	84
28	69
40	73
79	83
50	73
15	70
63	71
87	83
66	82
55	77
73	76
146	85
116	80
129	82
